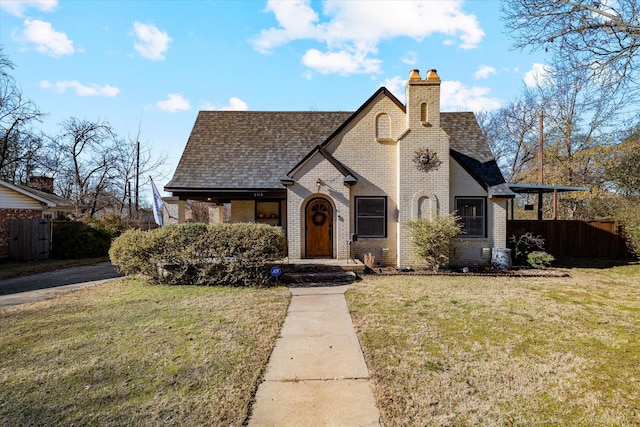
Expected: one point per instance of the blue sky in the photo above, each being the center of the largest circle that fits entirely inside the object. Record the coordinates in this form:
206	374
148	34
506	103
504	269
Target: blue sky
154	64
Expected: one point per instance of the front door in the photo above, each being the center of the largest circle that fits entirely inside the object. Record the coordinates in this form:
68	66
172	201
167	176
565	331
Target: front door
319	222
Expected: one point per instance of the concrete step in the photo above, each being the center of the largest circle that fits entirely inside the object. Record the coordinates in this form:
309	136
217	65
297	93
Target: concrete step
318	278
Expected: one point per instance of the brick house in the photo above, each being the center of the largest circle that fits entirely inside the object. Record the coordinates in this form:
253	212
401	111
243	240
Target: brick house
327	177
32	201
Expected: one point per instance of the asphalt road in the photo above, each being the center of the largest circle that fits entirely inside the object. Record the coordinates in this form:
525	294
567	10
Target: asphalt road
21	290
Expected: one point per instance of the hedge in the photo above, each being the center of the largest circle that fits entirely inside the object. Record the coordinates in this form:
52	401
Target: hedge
198	254
88	238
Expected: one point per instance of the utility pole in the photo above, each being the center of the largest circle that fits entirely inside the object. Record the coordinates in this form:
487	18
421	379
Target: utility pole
137	173
540	152
540	165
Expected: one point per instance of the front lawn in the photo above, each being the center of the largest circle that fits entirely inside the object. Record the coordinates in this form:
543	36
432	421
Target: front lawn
503	351
128	353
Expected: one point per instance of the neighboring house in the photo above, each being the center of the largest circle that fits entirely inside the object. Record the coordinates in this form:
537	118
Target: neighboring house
330	177
34	200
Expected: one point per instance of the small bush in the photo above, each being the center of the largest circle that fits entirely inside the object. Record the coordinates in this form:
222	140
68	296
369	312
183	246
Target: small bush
198	254
523	243
431	238
540	259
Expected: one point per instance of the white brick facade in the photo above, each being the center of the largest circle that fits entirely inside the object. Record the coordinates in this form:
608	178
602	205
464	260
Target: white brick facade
364	160
378	146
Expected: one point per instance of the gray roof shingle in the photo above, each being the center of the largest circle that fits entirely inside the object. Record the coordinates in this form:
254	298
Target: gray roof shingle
50	197
469	147
249	149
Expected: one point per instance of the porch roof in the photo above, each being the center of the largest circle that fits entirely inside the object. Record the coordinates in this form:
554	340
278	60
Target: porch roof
541	189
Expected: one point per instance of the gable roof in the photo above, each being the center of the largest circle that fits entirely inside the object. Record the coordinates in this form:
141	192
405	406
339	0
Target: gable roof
249	149
256	149
320	150
48	199
52	199
468	146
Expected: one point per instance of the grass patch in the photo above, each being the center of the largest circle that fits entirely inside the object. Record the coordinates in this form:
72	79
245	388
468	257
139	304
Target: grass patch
446	350
10	269
127	353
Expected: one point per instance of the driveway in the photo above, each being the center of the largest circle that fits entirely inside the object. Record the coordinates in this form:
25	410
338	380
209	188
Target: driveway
21	290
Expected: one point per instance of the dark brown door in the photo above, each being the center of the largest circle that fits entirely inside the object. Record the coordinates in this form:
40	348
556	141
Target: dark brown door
319	220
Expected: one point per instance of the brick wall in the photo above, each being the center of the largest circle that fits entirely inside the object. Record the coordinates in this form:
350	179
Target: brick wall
421	192
5	215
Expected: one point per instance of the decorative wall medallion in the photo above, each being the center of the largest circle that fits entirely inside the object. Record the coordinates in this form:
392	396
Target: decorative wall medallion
426	159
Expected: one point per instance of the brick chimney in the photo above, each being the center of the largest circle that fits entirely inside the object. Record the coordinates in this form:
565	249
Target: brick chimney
423	99
42	183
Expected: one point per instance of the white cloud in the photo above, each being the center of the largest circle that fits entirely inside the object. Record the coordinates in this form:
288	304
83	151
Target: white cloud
340	62
538	75
81	89
152	43
18	7
344	35
45	38
396	86
411	58
483	72
174	102
454	96
235	104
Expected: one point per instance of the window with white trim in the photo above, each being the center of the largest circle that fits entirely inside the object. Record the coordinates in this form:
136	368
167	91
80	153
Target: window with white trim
371	216
472	213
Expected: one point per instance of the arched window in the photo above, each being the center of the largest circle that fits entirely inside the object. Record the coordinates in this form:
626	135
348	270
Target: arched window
424	207
424	112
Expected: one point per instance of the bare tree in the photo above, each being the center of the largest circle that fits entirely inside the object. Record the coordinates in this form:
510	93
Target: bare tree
20	145
512	134
598	36
623	171
87	163
581	120
135	161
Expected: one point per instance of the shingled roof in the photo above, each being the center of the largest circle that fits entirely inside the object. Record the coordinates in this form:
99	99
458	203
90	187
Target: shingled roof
469	147
246	150
249	149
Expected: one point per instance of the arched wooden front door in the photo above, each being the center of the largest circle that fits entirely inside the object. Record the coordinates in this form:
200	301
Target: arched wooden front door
319	229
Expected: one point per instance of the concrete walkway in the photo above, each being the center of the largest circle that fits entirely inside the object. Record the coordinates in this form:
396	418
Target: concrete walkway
316	375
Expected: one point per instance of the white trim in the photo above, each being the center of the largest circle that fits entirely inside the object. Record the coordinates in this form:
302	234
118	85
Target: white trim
24	192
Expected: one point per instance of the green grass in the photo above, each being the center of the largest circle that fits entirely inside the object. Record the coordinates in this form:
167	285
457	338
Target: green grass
128	353
503	351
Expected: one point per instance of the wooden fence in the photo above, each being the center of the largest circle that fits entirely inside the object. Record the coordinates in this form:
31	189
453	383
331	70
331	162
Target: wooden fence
29	239
575	239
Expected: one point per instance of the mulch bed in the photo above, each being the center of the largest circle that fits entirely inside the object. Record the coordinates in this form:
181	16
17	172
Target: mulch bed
513	272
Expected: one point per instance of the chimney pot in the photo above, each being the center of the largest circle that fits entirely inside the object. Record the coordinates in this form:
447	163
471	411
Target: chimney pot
432	75
414	75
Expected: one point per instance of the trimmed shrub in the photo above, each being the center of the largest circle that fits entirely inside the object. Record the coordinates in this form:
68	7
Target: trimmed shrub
431	238
198	254
540	259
